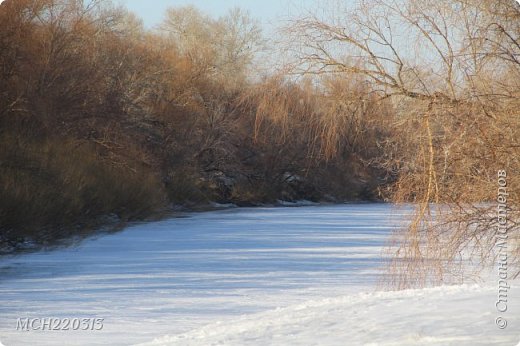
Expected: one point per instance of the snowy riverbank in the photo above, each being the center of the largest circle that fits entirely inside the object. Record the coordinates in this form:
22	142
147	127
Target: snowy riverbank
449	315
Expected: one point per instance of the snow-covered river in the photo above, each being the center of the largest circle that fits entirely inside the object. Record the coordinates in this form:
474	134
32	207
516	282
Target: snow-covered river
254	276
175	275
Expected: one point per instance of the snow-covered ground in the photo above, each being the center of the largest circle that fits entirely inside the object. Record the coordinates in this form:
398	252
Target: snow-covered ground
258	276
451	315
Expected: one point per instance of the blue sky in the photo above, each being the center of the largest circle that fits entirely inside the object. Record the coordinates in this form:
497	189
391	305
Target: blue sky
269	12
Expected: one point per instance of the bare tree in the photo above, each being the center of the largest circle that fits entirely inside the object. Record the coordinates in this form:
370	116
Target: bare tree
224	47
451	71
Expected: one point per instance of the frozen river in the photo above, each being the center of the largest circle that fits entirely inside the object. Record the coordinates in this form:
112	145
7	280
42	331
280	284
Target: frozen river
172	276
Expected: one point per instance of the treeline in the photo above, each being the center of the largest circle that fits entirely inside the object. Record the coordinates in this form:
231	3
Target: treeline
101	119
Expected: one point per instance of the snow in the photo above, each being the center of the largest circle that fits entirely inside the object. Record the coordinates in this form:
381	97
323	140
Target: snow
300	203
222	205
450	315
242	276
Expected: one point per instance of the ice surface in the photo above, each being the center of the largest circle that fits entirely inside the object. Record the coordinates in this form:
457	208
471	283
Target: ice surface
211	277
